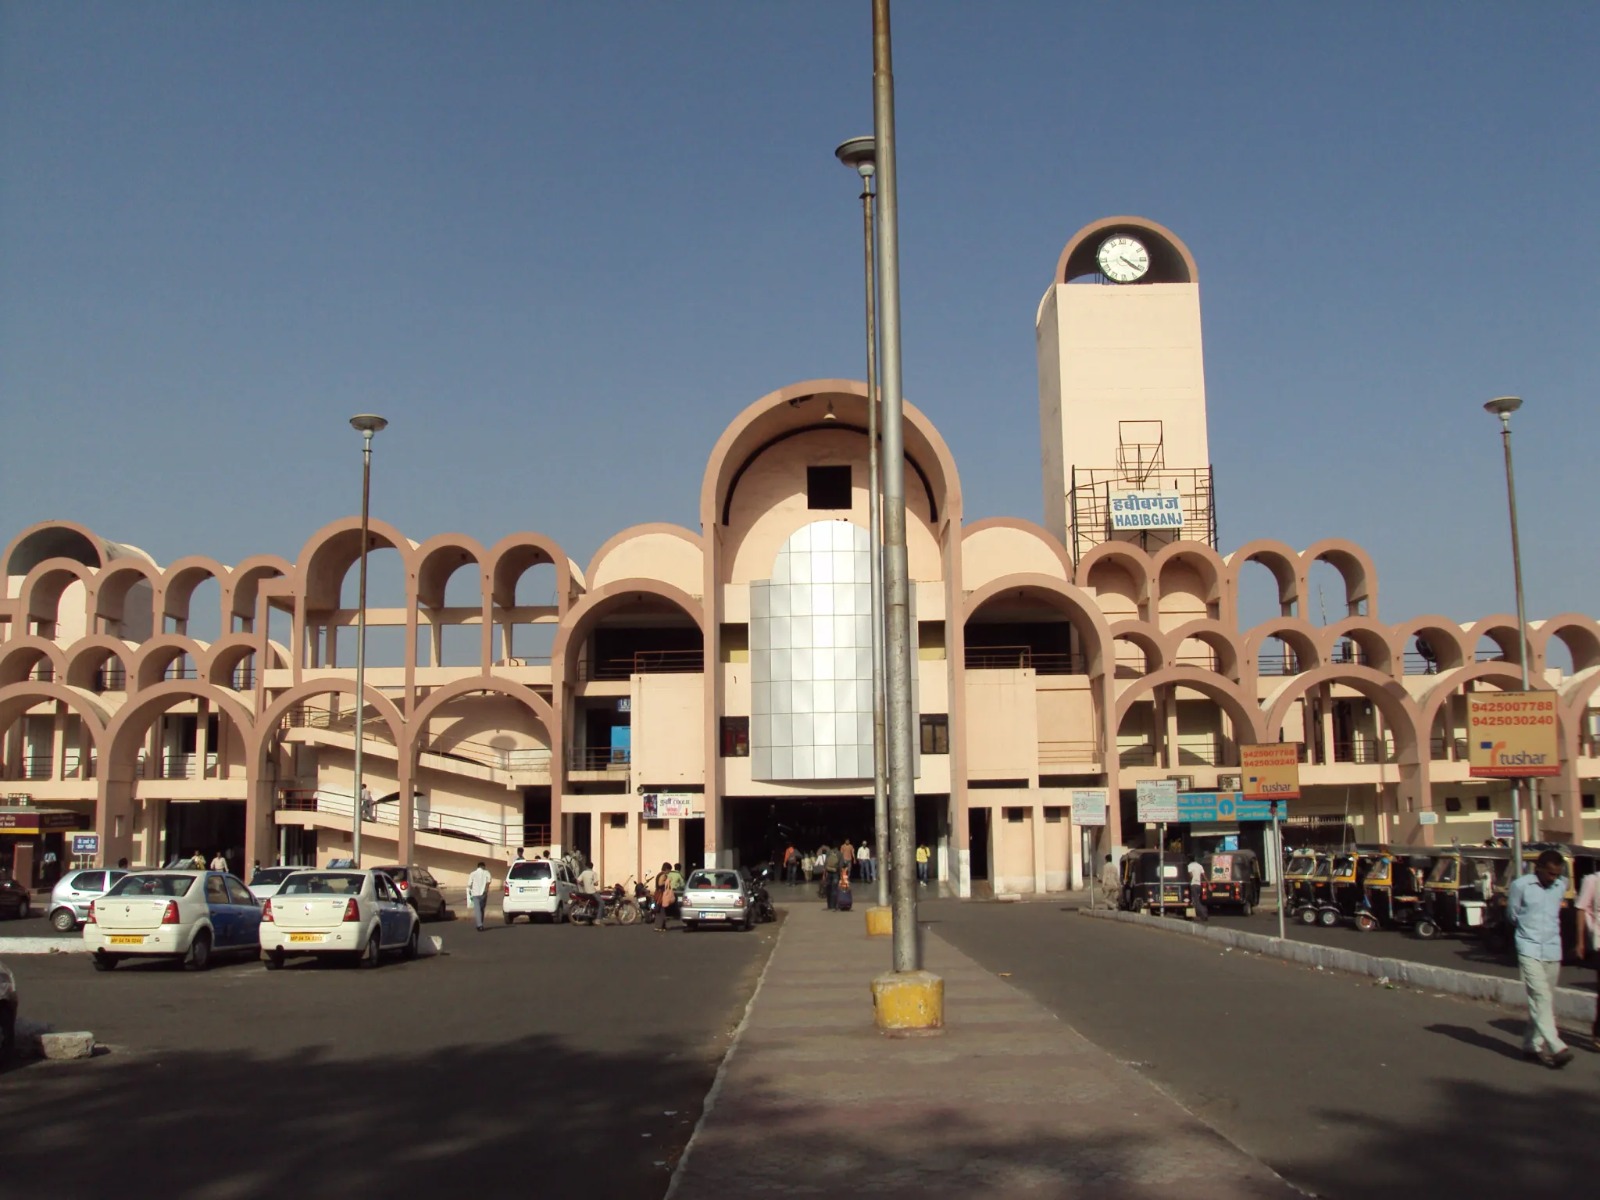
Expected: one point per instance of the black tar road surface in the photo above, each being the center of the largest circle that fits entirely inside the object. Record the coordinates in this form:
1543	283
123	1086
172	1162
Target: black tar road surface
531	1060
1347	1088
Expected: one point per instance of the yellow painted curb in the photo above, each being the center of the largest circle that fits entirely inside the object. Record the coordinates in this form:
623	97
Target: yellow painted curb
909	1003
880	922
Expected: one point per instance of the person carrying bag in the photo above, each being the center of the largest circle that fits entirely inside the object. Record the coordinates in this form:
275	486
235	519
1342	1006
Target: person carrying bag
665	896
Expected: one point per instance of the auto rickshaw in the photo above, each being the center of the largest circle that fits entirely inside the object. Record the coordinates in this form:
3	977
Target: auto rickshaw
1233	879
1458	895
1146	887
1300	883
1391	891
1345	894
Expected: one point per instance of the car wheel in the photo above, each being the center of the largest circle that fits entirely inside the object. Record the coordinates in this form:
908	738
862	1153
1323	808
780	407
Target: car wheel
63	920
372	955
103	961
199	956
690	926
8	1033
559	917
273	960
410	952
442	913
509	917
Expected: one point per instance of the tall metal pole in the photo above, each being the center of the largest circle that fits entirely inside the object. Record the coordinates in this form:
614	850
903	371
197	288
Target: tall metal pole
368	424
1503	407
860	154
902	784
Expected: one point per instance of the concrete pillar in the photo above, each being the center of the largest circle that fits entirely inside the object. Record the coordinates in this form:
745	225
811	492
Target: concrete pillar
1039	856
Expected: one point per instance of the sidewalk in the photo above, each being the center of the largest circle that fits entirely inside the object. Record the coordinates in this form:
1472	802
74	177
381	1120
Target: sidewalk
1007	1102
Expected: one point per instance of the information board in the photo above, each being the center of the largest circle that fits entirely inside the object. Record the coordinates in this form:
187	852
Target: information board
1271	770
1089	806
1158	800
1512	735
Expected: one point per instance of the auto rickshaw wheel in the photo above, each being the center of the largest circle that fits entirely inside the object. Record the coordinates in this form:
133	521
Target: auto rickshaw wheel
1144	908
1329	917
1308	916
1426	929
1245	909
1366	922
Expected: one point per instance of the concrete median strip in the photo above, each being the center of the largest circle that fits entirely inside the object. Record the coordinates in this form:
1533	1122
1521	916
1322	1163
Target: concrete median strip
1571	1005
41	945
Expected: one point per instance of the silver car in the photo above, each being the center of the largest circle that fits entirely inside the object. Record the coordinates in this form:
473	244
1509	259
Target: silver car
75	891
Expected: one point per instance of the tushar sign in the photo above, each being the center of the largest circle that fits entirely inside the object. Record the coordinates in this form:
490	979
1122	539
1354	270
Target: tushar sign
1271	770
1512	735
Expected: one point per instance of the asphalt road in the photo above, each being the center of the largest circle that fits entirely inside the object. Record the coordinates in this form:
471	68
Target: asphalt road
1347	1088
528	1059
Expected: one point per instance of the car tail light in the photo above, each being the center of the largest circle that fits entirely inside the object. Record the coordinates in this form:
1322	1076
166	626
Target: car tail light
89	920
352	910
505	889
404	886
266	912
739	902
170	917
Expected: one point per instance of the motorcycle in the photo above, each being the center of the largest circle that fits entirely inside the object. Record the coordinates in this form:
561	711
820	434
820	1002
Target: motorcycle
585	907
760	899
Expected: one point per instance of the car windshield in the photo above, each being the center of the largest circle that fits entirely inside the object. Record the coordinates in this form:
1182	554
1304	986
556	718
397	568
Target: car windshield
153	885
1300	864
1444	871
705	880
323	883
529	870
272	875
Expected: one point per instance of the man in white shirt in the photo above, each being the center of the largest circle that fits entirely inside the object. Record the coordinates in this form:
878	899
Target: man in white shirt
218	862
869	869
478	893
1197	889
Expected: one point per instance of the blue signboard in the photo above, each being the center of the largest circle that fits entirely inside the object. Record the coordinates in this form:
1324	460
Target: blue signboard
1203	807
85	843
1503	827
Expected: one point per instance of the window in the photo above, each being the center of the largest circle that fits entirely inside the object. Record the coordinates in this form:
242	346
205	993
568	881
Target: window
619	820
1588	801
1052	816
656	823
936	733
735	737
1483	804
1015	815
828	487
1452	804
239	894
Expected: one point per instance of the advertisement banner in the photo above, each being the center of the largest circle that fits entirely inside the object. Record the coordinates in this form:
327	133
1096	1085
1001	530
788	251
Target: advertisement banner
1271	770
1512	735
1158	800
1089	806
1149	509
658	806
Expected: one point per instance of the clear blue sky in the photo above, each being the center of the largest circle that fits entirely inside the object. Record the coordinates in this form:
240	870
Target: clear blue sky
560	245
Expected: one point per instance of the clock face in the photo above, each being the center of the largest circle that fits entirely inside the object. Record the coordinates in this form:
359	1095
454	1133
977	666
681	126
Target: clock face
1122	258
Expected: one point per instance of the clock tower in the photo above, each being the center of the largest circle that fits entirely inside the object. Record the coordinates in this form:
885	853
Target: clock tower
1122	392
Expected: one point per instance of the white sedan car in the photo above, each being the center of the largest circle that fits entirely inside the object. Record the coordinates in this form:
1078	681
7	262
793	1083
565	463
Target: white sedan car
186	915
352	912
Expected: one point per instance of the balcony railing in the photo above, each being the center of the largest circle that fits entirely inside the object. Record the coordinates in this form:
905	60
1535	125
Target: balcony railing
645	662
1447	748
43	673
1016	658
490	830
242	679
178	670
1278	664
1363	751
602	758
111	679
178	766
1063	753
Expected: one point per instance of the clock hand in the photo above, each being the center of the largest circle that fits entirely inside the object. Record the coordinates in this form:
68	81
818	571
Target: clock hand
1132	266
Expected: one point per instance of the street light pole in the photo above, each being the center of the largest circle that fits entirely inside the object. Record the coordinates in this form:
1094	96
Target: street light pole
897	607
1503	407
859	154
366	424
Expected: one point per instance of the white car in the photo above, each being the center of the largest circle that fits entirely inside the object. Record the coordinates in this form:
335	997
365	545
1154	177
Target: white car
352	912
716	898
187	915
540	887
265	882
8	1013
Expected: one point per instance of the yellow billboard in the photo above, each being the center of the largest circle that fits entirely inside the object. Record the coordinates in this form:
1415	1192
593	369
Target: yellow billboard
1271	771
1512	735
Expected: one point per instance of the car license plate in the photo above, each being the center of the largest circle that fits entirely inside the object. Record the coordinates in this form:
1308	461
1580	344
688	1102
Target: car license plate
713	916
305	937
126	939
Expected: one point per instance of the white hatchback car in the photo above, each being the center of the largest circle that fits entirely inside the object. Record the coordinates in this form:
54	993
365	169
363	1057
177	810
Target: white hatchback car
359	914
537	887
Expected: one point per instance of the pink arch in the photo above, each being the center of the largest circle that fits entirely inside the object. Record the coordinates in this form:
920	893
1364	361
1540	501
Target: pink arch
266	727
1210	565
153	657
519	692
633	531
132	720
514	554
435	568
1246	714
1578	632
1389	694
39	596
1445	637
1214	634
329	554
1077	603
571	633
21	655
17	698
88	654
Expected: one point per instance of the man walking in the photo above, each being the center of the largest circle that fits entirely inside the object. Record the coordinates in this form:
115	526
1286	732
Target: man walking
1110	884
478	893
869	869
1533	908
923	859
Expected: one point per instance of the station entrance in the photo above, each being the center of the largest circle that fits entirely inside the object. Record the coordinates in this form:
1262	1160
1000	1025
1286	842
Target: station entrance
759	827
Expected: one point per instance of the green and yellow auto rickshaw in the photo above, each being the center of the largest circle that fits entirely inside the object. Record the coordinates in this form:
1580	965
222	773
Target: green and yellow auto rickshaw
1458	895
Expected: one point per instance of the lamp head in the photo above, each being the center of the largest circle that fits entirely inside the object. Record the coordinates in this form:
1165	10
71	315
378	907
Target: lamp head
860	153
830	415
368	423
1503	406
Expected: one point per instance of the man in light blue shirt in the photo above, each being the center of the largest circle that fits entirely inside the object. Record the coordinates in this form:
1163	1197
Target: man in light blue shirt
1533	907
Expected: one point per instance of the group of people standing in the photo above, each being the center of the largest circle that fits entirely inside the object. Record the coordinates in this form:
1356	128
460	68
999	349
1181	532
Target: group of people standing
847	861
